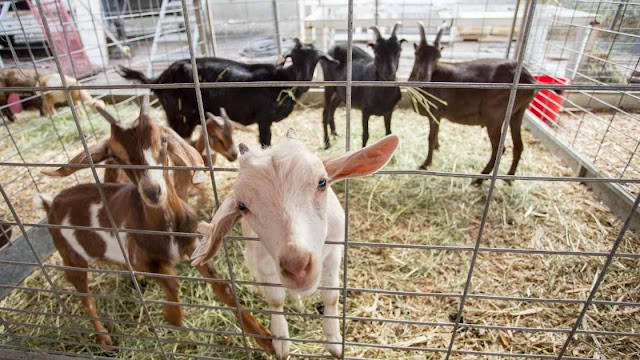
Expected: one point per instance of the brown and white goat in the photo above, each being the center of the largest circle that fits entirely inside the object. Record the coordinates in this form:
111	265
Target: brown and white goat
285	198
150	202
220	132
466	106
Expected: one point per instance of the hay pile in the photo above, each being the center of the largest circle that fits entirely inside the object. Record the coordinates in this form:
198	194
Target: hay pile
404	209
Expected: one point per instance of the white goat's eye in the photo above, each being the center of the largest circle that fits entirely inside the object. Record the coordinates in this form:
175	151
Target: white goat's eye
242	206
322	184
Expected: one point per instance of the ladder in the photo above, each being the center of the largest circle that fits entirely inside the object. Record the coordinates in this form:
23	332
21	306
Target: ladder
169	7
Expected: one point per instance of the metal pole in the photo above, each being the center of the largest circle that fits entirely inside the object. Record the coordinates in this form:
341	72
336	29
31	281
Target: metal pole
616	15
212	29
513	28
276	21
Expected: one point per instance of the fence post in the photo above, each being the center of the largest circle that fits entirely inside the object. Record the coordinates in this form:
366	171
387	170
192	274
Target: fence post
276	22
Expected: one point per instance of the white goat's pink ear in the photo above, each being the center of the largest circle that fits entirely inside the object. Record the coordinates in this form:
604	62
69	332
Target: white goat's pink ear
220	225
361	162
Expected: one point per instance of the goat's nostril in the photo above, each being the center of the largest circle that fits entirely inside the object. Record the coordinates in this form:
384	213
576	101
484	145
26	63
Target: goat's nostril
297	266
307	268
152	192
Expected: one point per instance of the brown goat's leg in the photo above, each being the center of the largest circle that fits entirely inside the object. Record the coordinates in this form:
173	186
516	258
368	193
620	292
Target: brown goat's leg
251	325
365	128
516	136
331	103
6	111
494	136
332	120
434	127
81	283
172	313
387	123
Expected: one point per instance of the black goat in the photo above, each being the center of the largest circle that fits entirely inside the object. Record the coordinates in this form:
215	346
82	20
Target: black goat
370	100
484	107
262	105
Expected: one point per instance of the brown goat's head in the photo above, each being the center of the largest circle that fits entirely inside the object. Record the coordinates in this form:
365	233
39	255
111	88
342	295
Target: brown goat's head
142	142
305	57
387	53
220	131
426	56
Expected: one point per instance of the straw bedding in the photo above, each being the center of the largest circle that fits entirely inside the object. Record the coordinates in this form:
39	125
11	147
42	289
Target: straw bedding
400	209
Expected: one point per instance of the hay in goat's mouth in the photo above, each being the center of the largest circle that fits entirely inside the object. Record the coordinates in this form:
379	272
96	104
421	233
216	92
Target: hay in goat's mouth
402	210
420	99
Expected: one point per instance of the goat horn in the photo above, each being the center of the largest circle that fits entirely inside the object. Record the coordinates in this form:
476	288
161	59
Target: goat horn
144	106
215	119
223	113
107	116
423	36
395	28
376	30
441	28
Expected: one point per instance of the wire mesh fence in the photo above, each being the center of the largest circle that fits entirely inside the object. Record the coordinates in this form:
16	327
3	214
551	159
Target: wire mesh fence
431	266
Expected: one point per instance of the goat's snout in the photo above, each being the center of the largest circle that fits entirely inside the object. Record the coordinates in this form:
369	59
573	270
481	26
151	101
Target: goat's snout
232	155
153	193
296	266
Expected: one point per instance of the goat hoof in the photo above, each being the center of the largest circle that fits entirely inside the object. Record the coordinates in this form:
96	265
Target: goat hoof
509	182
104	339
335	136
334	349
422	167
173	314
327	146
477	182
282	349
142	282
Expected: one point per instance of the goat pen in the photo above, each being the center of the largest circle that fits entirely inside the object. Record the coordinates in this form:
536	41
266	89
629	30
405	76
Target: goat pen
546	267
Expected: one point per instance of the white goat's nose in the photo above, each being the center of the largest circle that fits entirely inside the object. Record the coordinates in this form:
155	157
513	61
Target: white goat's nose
297	265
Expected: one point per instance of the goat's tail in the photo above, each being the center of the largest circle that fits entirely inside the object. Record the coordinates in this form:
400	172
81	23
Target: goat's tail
131	74
42	201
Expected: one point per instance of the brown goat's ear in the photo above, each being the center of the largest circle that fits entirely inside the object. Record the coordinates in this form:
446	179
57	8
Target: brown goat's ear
237	126
105	114
214	119
99	152
361	162
223	221
232	125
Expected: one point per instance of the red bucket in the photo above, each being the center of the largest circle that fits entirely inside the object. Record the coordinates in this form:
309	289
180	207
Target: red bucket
14	103
547	103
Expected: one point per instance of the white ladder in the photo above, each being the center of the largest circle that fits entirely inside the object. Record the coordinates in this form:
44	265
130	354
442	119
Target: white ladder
175	7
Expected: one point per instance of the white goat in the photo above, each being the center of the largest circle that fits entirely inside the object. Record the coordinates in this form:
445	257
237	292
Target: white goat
284	194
